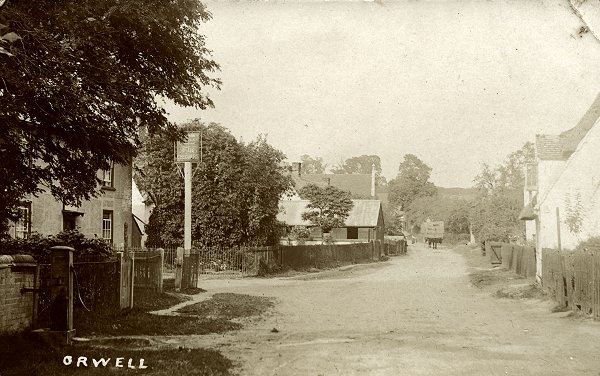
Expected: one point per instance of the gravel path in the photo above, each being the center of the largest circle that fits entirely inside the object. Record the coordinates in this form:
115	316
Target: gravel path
413	315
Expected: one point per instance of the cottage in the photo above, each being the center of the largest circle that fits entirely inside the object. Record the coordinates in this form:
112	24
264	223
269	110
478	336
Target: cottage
364	223
562	190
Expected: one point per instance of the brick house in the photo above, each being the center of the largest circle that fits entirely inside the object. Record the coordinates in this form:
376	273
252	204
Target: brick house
107	216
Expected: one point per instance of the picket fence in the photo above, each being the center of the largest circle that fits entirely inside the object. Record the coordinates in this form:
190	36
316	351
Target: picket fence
572	278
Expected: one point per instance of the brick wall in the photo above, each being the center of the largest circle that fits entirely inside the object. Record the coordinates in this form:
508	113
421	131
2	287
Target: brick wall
16	309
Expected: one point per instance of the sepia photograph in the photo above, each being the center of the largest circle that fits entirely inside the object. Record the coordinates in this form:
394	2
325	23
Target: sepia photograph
300	187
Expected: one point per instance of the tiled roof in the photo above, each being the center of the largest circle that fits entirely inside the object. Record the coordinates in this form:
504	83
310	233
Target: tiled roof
549	147
364	213
574	135
359	184
560	147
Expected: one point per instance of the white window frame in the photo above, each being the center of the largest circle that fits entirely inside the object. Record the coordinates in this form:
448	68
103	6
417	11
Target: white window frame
108	176
107	225
22	225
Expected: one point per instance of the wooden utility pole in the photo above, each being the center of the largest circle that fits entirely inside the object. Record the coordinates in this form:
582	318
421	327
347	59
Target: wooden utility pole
558	228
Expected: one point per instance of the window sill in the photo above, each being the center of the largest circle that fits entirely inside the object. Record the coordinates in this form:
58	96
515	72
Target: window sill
107	188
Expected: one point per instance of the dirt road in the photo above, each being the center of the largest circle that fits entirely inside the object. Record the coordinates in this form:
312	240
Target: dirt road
413	315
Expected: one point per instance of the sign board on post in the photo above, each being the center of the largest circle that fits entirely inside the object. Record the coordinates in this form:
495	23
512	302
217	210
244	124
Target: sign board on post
189	150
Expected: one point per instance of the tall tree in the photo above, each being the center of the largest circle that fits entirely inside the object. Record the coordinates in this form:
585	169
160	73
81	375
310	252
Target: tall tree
412	182
236	190
328	207
80	78
312	165
494	215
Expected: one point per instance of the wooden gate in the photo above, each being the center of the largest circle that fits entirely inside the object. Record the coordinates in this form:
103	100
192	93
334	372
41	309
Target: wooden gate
126	282
494	249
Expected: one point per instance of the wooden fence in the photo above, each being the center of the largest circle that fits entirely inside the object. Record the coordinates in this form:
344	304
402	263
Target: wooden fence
148	271
96	286
572	278
395	247
302	256
518	258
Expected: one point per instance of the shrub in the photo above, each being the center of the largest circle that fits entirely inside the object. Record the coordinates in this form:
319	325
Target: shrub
590	244
39	246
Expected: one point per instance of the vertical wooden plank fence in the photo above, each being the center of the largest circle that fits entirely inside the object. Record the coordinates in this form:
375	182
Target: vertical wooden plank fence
572	279
126	290
148	271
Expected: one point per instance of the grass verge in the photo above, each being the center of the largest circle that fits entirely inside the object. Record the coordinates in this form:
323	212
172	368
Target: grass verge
229	306
138	321
25	355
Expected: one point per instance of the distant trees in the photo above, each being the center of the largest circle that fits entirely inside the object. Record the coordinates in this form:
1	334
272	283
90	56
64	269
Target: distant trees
363	164
235	196
312	165
495	212
328	207
411	182
80	78
454	212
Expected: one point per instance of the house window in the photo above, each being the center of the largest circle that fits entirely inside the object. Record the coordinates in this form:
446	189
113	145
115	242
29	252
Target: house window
69	221
23	224
352	233
108	176
107	225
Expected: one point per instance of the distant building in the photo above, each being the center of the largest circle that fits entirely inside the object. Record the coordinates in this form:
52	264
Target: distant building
107	216
364	223
359	185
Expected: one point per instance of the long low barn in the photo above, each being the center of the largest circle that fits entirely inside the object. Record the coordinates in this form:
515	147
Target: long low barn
364	222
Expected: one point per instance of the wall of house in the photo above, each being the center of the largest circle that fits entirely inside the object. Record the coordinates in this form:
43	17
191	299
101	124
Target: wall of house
47	212
16	309
576	194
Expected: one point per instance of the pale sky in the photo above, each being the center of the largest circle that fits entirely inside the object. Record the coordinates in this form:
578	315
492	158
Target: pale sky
457	83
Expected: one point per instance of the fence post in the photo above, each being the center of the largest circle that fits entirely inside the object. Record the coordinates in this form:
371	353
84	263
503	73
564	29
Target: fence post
178	268
161	269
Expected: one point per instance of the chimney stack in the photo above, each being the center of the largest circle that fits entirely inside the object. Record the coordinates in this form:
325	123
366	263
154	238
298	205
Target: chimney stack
297	167
373	180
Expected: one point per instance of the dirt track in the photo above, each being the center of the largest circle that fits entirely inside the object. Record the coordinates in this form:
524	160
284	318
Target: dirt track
413	315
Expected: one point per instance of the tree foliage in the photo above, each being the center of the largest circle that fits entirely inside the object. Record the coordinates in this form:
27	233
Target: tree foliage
235	195
363	164
312	165
328	207
495	212
80	78
411	182
453	212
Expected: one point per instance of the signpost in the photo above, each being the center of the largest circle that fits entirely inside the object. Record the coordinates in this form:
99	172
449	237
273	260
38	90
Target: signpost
187	152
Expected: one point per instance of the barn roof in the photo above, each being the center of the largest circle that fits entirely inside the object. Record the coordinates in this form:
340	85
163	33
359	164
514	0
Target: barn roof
364	213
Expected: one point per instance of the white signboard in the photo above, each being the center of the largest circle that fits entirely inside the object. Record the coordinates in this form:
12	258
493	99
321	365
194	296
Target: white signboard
189	150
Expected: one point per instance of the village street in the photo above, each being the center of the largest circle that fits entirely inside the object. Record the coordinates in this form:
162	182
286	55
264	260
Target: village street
413	315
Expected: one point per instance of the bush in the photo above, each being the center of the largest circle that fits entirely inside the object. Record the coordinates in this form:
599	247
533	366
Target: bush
590	244
38	245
